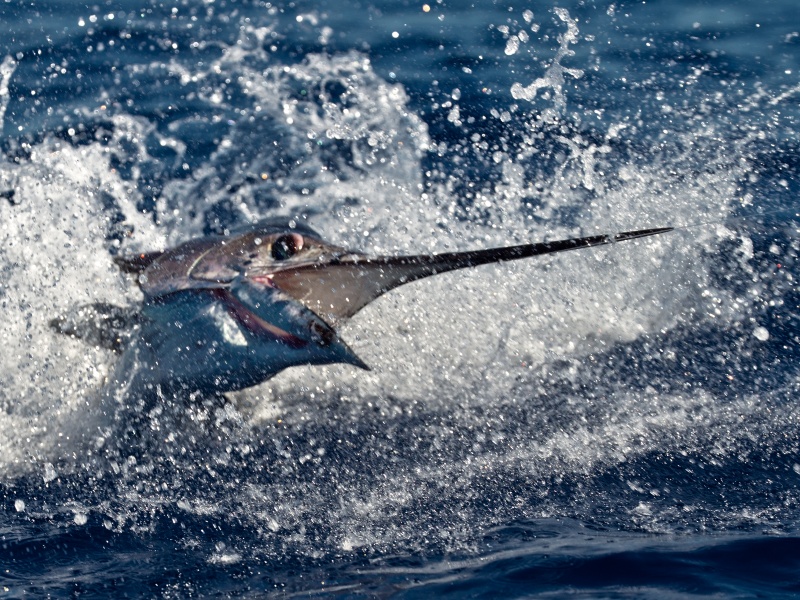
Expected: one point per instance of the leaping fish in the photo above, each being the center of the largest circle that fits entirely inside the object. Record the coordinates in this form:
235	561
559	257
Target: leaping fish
226	313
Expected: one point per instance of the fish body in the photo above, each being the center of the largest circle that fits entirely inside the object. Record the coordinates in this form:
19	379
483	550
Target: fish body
226	313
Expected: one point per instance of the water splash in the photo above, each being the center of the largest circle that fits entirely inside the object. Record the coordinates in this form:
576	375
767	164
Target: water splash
343	140
515	392
60	228
7	68
554	77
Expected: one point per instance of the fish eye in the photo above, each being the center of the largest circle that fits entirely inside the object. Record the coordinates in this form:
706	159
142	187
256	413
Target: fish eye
286	246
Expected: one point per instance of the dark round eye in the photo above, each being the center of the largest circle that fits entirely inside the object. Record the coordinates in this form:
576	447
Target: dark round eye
286	246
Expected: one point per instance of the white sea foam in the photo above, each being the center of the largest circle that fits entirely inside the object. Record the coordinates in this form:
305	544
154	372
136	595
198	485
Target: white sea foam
470	345
53	257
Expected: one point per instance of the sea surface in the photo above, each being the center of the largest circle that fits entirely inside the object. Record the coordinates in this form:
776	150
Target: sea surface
619	422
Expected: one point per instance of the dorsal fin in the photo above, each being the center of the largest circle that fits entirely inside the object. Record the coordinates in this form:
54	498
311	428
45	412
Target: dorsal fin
136	263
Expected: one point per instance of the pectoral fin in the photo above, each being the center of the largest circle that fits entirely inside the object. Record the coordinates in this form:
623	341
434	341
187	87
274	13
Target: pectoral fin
100	324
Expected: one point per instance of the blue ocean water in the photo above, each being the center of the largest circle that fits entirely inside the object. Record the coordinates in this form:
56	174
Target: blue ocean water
619	423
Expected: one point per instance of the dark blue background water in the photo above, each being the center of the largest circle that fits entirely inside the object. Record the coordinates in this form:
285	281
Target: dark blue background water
662	460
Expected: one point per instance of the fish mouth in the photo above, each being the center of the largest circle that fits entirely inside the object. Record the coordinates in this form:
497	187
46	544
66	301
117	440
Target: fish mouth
268	312
255	324
336	287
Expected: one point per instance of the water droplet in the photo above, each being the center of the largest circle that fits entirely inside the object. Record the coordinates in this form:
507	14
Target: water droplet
49	473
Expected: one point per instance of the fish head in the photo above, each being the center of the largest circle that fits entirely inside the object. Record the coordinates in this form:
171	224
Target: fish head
215	318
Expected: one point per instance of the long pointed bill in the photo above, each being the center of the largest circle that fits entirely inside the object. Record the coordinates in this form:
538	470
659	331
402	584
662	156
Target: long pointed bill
338	289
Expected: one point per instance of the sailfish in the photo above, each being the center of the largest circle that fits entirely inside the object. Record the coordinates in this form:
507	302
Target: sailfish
228	312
